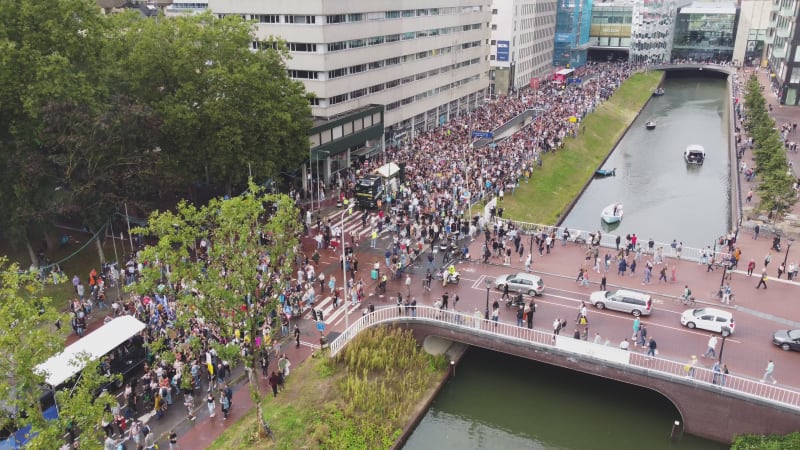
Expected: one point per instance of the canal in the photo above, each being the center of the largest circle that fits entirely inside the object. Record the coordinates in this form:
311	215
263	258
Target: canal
663	198
504	402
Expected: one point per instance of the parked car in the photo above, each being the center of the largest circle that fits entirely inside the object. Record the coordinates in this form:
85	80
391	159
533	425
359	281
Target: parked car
710	319
787	339
630	302
525	283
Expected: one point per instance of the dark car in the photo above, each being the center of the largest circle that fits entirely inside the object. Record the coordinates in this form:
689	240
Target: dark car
787	339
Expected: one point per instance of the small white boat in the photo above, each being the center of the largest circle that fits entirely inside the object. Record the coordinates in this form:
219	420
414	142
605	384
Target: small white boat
650	125
694	154
612	213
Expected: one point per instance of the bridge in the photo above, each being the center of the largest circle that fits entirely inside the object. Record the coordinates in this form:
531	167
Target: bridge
710	405
727	70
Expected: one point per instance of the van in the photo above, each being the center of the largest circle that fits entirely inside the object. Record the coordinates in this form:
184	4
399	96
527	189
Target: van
630	302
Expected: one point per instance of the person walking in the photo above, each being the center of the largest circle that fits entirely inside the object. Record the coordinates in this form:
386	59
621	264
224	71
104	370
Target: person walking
603	283
211	405
690	366
751	266
226	405
274	382
636	325
408	284
763	280
768	373
529	311
652	347
642	336
712	345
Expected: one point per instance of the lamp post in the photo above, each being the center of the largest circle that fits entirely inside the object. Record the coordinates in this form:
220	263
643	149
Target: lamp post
344	268
725	333
488	287
788	246
319	178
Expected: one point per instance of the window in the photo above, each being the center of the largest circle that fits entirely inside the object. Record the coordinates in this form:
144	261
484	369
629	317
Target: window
493	42
355	17
336	46
356	43
266	18
393	83
407	36
302	47
358	68
392	14
393	61
375	16
325	136
336	73
337	132
359	93
314	138
337	18
494	26
392	38
303	74
408	13
337	99
376	65
313	101
375	40
494	11
300	19
376	88
348	128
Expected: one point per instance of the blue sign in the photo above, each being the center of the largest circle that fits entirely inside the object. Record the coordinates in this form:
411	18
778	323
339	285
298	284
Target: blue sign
502	50
573	80
564	37
321	326
483	134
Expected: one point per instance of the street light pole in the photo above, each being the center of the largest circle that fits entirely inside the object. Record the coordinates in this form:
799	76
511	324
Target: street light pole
725	333
488	286
344	269
788	246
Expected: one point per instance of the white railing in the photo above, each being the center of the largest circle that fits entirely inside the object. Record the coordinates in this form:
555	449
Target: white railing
610	241
601	354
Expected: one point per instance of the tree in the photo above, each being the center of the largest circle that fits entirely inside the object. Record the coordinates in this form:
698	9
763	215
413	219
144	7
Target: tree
50	52
233	282
227	111
27	318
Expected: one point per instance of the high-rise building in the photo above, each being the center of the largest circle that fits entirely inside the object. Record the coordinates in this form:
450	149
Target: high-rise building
652	31
610	31
782	51
424	60
751	34
573	22
521	42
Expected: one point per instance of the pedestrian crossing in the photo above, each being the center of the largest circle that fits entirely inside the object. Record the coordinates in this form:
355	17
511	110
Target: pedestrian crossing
334	315
354	223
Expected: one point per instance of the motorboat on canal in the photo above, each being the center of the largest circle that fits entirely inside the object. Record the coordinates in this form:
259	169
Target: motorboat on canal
602	173
658	92
650	125
612	213
694	154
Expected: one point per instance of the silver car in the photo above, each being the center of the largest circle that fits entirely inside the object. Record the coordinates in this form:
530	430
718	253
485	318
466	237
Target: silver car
525	283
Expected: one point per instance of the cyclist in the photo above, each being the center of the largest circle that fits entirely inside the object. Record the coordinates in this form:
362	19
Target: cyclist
687	293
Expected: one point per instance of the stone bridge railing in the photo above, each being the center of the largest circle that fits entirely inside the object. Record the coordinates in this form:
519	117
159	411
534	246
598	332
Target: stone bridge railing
475	325
728	70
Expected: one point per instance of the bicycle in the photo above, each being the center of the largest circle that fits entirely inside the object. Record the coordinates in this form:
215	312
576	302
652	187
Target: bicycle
681	300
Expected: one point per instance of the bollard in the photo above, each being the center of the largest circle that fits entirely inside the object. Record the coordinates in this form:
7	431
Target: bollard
452	369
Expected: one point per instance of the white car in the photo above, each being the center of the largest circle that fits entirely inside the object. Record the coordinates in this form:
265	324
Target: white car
710	319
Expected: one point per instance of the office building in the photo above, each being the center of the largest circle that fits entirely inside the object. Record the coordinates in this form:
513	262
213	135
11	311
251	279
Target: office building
782	51
751	33
652	31
705	31
573	21
610	30
521	42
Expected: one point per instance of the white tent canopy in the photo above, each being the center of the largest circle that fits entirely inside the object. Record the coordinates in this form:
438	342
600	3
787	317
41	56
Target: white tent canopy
71	361
388	170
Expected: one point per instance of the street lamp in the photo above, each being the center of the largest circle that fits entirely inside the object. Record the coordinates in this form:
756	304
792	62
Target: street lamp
725	333
344	258
788	246
488	287
319	177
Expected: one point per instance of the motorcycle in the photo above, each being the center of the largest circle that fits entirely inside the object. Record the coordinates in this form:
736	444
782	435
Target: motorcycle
447	277
517	301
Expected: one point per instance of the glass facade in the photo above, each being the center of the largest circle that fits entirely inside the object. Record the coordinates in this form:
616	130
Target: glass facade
573	21
611	25
705	32
652	31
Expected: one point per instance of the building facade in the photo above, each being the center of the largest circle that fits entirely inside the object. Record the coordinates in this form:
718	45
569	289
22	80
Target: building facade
782	51
573	22
521	42
424	60
610	30
652	32
751	33
705	31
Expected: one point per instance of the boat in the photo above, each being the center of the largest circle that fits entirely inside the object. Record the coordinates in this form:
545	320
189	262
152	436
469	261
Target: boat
602	173
658	92
650	125
694	154
612	213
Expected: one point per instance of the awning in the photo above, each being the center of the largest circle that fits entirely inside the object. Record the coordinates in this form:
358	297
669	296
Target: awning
388	170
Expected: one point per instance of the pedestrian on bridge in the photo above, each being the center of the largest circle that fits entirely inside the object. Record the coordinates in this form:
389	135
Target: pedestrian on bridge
768	373
712	345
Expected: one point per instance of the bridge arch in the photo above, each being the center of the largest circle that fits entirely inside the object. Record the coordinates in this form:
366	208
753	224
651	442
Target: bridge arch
708	410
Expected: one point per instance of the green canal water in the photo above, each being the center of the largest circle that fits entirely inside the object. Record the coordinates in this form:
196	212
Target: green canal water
498	401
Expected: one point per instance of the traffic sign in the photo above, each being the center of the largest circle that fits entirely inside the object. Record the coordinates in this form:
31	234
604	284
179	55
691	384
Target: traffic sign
321	326
483	134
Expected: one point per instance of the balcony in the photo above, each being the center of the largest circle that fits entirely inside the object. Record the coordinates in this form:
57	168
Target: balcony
776	6
784	32
779	52
770	39
787	12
